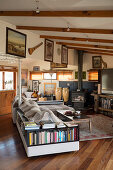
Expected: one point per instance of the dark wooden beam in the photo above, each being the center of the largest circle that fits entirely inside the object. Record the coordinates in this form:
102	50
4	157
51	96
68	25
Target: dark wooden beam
76	39
92	52
57	29
85	45
102	13
89	49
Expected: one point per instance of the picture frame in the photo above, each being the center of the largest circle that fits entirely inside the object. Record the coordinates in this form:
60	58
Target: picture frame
64	55
49	88
35	85
49	49
15	43
24	77
57	65
97	62
36	68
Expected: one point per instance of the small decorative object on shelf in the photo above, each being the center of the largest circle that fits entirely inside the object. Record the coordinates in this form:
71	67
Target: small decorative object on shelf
35	94
58	93
36	68
65	94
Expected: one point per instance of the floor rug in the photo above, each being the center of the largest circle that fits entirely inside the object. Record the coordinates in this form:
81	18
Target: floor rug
102	127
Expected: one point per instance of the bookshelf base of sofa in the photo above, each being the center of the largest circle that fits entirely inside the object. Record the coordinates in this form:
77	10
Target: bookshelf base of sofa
49	148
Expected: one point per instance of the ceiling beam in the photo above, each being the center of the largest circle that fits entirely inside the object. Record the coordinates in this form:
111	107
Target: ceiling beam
92	52
85	45
76	39
89	49
57	29
99	13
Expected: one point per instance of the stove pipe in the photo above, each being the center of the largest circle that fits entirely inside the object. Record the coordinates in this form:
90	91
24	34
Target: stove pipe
80	68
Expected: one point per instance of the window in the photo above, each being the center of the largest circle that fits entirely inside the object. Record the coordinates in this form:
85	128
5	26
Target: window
64	76
50	76
35	76
7	80
93	76
1	80
8	83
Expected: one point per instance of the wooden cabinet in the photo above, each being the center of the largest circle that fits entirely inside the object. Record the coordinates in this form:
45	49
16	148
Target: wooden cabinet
6	98
103	103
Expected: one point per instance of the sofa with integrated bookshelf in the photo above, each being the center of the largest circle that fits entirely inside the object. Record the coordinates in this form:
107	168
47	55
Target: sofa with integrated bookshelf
44	133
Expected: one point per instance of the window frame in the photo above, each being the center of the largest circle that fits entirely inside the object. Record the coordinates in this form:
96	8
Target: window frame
3	79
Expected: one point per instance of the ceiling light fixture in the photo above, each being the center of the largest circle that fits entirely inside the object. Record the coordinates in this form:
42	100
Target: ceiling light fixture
68	29
37	7
68	26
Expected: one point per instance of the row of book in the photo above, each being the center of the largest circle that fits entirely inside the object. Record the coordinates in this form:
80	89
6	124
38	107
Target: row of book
106	103
42	125
52	136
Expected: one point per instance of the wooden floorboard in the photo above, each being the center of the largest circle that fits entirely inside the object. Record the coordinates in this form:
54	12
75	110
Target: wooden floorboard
93	155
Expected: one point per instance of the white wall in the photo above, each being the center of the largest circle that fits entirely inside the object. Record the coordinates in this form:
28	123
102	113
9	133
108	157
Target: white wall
37	58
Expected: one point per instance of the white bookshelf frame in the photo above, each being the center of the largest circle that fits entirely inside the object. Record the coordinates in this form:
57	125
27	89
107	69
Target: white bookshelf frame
48	149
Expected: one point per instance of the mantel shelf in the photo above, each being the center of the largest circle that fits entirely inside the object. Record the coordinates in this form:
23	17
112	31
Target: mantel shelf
94	69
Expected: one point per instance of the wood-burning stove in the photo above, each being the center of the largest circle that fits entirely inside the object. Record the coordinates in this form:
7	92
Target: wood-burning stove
78	100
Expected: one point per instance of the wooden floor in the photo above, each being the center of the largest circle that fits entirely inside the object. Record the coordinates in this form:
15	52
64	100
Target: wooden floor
93	155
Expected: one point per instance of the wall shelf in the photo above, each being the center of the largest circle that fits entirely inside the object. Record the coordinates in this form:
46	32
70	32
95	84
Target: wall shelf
107	110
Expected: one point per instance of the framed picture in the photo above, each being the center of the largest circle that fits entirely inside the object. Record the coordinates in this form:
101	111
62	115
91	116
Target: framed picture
58	65
15	43
49	88
36	68
96	61
64	55
49	49
35	85
24	77
83	75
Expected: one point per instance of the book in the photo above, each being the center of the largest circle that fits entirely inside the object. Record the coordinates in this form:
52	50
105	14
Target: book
68	135
51	137
61	125
29	138
55	136
31	125
48	137
43	137
40	138
59	136
47	124
75	134
37	138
